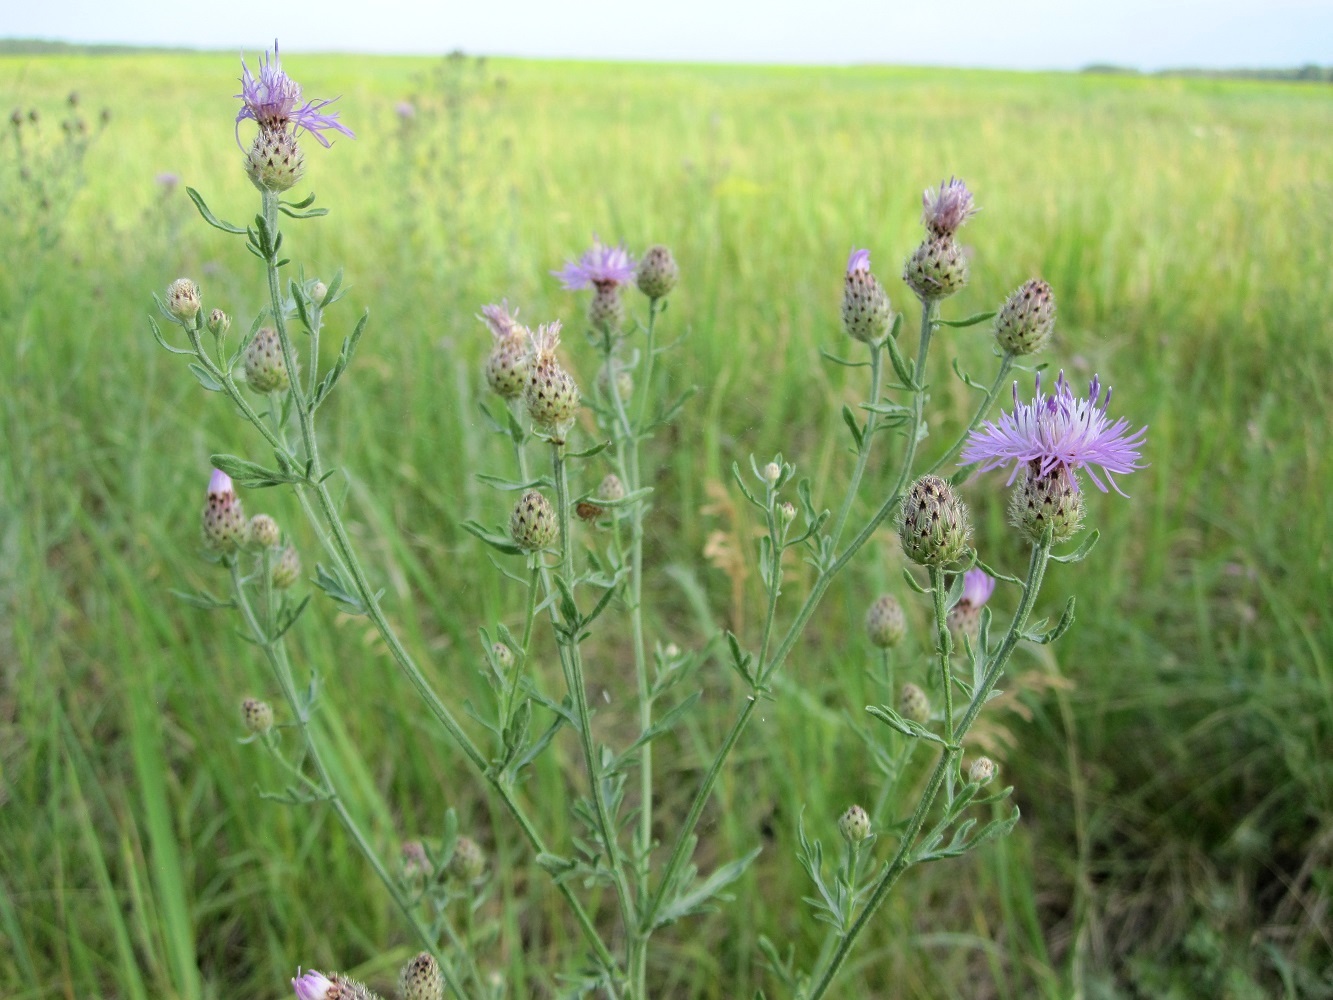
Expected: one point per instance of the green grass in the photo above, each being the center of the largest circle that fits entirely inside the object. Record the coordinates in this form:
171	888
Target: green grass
1171	756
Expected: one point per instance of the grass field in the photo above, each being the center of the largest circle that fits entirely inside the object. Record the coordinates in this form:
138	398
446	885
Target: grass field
1171	755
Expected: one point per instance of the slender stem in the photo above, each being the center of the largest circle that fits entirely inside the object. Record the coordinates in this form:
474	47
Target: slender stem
534	579
943	646
1006	363
572	660
343	545
903	859
794	630
867	440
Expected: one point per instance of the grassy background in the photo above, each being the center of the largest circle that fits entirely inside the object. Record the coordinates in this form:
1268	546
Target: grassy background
1170	755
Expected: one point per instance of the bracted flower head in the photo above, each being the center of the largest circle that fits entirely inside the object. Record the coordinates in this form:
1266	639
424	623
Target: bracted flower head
507	363
943	211
866	313
272	99
224	524
601	265
312	986
551	394
965	616
1058	432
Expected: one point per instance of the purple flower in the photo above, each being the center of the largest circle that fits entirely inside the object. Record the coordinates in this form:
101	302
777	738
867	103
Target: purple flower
1055	432
405	110
858	261
943	211
220	483
600	266
978	585
501	322
272	101
312	986
168	181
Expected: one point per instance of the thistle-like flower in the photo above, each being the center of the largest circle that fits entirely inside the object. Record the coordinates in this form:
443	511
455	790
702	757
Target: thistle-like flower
943	211
312	986
533	524
936	269
658	272
933	525
272	99
224	523
1027	318
1058	432
551	394
607	270
866	313
420	979
507	364
965	616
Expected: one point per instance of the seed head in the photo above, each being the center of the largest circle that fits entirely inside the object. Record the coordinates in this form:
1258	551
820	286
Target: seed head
936	269
257	715
183	299
854	825
886	625
658	272
934	528
981	771
1027	318
551	394
866	313
265	367
913	704
287	568
533	525
468	861
225	527
421	979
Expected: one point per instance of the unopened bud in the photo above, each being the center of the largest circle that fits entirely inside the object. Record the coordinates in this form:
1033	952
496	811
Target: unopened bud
468	861
264	532
421	979
225	527
933	526
787	512
257	715
866	313
1051	500
772	473
414	862
936	269
319	292
274	161
607	310
265	367
886	625
287	568
504	656
183	299
913	704
981	771
658	272
854	825
1027	318
218	323
533	525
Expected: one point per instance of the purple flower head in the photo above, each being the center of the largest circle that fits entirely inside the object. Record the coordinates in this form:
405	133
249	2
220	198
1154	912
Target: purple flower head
943	211
272	101
858	261
312	986
602	265
168	181
978	585
502	323
405	110
1058	431
220	483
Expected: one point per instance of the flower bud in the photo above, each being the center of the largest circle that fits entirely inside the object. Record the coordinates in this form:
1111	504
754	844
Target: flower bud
421	979
504	656
913	704
1027	318
787	512
866	313
319	292
414	863
265	367
507	368
533	525
264	532
854	825
218	323
257	715
658	272
933	525
1046	500
551	394
225	527
287	568
772	473
468	861
274	161
964	618
624	384
936	269
316	986
886	625
981	771
183	299
943	211
611	488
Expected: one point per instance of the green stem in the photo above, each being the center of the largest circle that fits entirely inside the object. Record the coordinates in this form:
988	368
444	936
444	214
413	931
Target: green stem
1006	363
903	859
943	646
867	440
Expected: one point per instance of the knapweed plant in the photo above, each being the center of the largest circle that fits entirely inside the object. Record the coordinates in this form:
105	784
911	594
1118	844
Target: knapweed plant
568	526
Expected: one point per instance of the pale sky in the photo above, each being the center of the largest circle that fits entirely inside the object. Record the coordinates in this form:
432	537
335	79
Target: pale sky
1022	34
